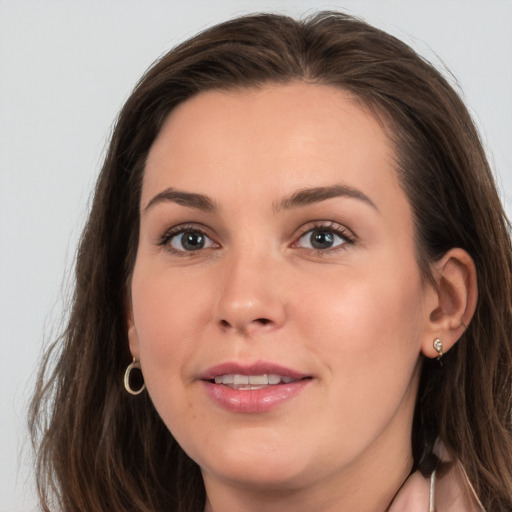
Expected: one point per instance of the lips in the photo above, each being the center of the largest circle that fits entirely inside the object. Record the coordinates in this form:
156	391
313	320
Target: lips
255	388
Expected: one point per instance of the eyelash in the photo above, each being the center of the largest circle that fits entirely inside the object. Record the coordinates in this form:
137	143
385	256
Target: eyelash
330	227
178	230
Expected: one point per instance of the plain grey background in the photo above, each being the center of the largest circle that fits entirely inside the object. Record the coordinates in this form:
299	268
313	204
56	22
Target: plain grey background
65	69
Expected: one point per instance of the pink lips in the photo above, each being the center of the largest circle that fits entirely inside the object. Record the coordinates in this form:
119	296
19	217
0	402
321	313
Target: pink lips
252	399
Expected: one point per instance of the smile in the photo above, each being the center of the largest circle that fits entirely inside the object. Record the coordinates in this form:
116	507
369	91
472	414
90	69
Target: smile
251	382
255	388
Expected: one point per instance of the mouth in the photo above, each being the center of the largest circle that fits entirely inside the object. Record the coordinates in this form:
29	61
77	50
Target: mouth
251	382
255	388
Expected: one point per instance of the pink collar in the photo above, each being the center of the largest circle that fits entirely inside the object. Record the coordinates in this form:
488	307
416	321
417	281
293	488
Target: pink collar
448	489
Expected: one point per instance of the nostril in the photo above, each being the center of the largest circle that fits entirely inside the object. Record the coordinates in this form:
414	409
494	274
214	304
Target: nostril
263	321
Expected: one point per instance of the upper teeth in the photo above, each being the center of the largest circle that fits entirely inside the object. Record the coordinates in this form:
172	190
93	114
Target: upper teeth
258	380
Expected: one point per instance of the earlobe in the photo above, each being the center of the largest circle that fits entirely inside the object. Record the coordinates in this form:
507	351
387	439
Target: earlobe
133	338
131	330
453	302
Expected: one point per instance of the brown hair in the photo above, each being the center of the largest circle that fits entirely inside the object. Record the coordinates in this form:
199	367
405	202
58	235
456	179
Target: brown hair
99	448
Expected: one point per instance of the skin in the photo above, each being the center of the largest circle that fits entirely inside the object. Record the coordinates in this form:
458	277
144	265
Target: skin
355	317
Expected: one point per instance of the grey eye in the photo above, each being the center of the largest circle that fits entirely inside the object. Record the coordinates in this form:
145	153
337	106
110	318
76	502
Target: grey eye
320	239
190	241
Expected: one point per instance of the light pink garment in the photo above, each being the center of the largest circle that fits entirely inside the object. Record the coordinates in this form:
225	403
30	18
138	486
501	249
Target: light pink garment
448	491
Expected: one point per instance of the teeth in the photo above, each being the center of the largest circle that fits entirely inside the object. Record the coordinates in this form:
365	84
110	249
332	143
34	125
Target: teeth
258	379
274	379
225	379
240	380
251	381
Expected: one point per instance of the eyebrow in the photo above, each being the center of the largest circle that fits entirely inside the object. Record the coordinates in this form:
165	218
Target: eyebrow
189	199
317	194
299	198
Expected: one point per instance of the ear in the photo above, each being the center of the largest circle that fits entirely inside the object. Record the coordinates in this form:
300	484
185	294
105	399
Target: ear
133	337
451	304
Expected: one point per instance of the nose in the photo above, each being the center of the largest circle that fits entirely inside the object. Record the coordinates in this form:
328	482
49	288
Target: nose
251	297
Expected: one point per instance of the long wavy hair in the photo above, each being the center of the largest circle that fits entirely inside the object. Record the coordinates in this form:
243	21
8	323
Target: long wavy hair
99	448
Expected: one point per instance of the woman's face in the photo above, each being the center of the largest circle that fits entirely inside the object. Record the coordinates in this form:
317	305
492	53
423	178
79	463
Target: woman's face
277	305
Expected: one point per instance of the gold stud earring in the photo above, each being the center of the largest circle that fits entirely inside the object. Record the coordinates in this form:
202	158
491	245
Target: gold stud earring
438	345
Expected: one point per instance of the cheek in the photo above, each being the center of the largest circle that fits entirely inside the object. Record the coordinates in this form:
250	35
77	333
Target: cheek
373	320
168	305
373	306
169	319
368	331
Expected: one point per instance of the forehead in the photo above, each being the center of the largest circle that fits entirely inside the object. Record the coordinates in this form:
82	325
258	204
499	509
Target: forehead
294	135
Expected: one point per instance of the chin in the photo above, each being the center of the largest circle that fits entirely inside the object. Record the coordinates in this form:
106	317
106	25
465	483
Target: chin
266	478
259	467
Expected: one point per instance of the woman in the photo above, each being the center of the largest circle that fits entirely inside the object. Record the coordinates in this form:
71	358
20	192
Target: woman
297	244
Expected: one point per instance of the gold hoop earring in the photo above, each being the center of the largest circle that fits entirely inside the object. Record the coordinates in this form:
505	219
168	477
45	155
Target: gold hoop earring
134	377
438	345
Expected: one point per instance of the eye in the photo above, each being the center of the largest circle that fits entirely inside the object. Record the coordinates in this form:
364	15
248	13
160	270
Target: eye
322	238
187	240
